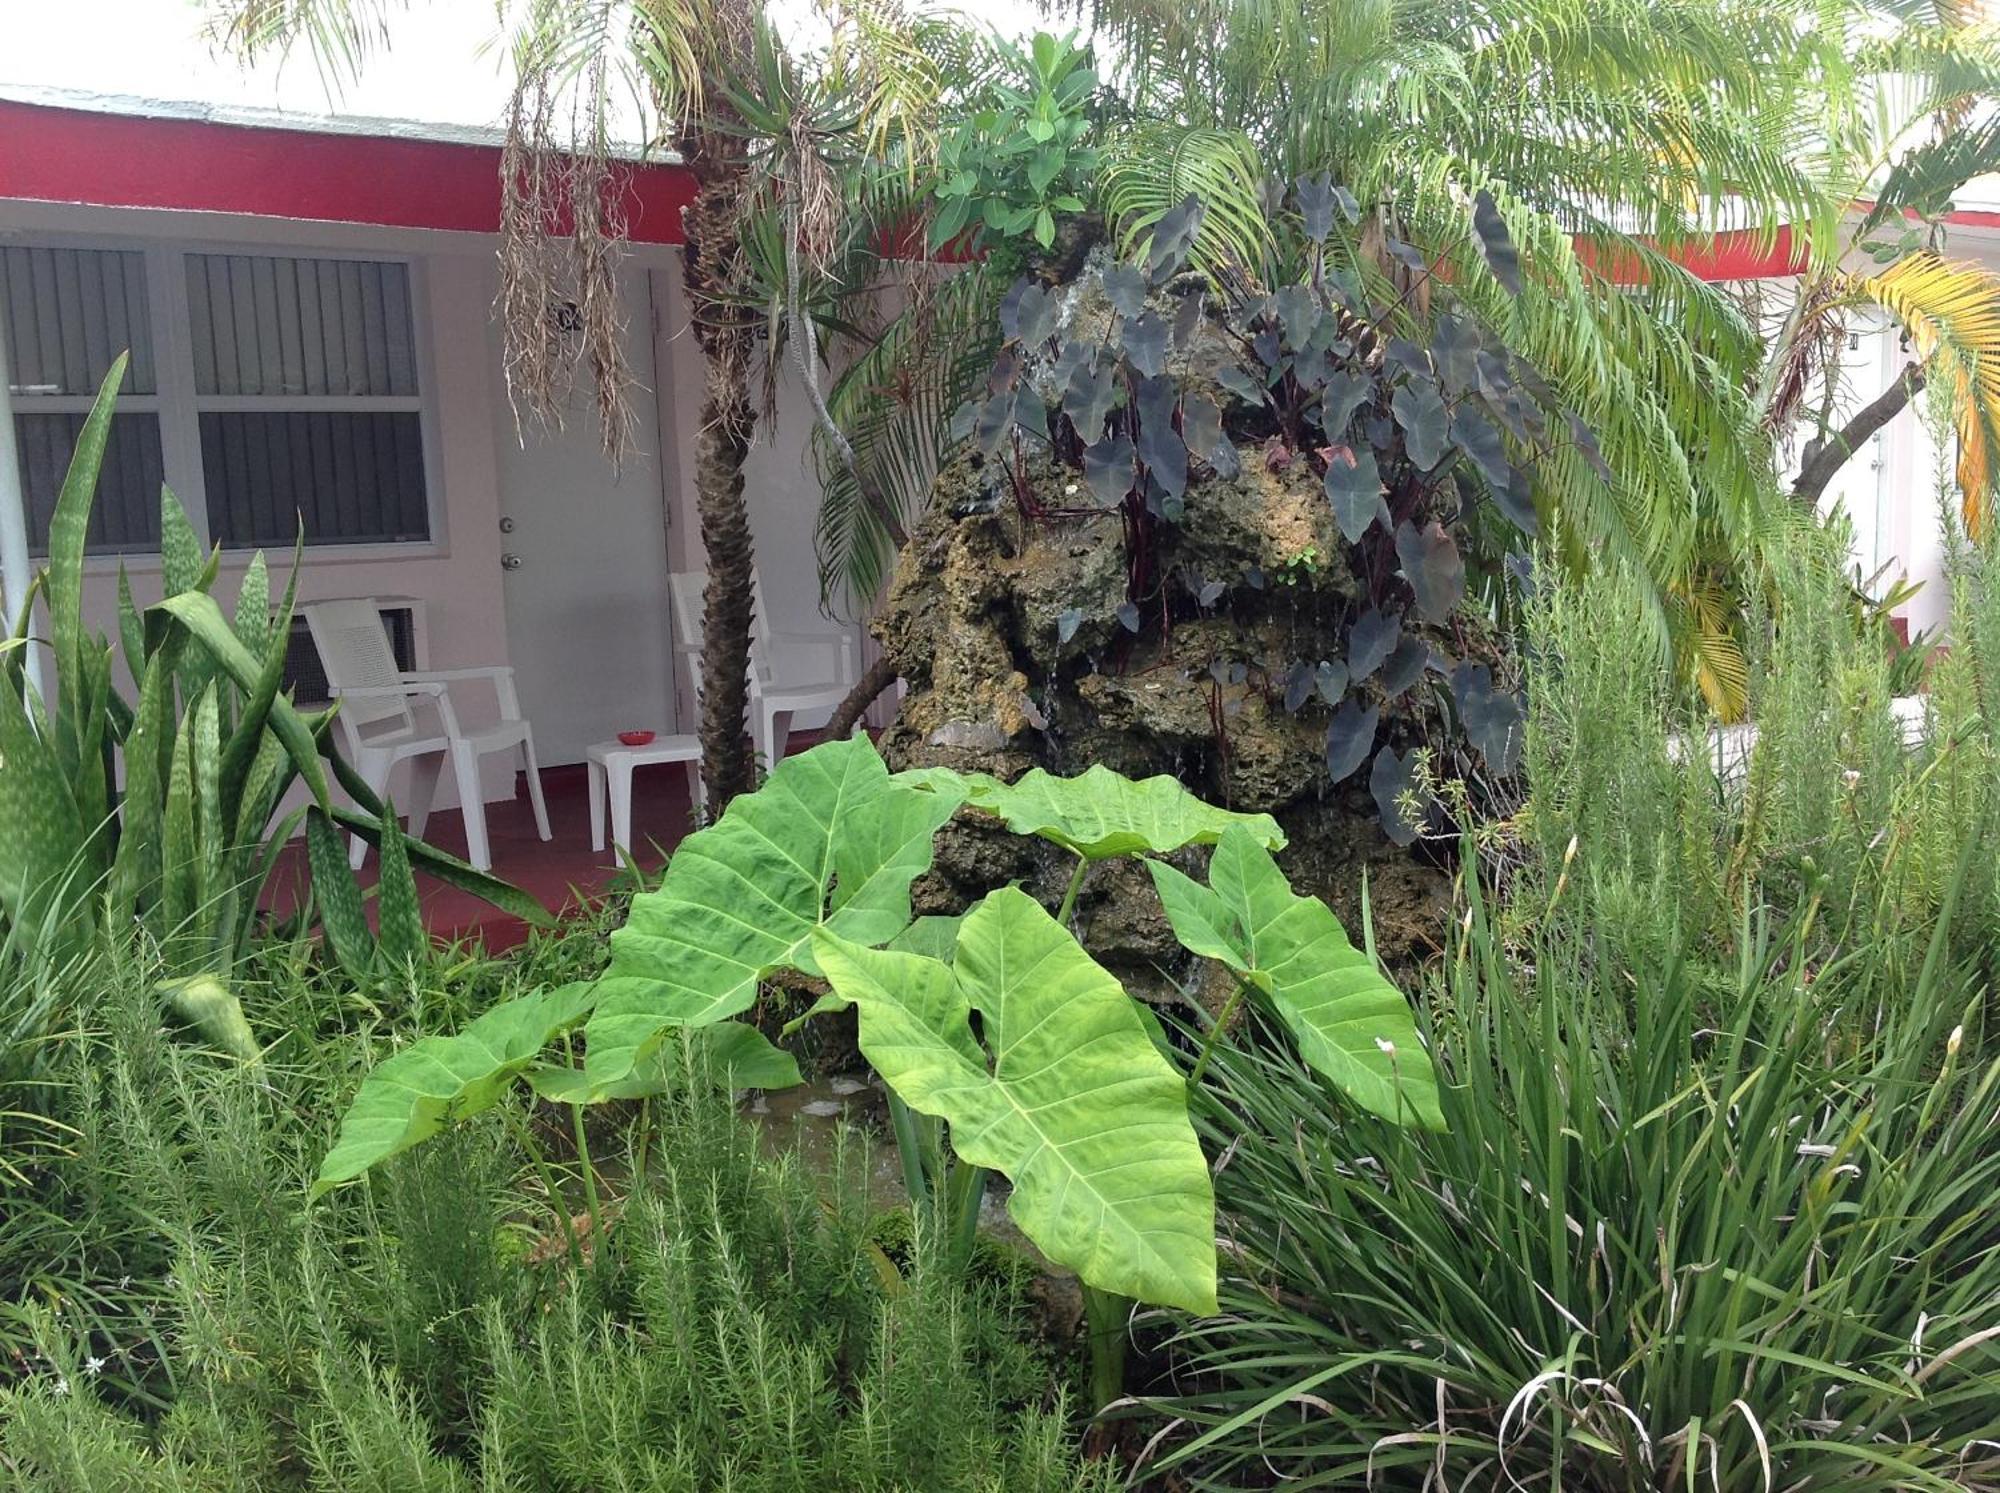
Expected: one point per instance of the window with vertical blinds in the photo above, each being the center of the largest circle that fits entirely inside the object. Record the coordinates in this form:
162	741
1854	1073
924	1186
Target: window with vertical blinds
68	314
290	386
305	379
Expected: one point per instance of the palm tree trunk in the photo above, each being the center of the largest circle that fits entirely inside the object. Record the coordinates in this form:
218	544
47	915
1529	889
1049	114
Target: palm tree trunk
727	419
713	269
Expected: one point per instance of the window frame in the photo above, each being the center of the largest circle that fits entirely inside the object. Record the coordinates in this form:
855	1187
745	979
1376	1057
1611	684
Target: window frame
178	407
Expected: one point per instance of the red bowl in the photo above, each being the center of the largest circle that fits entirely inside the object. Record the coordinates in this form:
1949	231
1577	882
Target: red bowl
636	738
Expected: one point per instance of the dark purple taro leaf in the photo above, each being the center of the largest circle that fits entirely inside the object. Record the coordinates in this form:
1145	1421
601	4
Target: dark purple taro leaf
1268	346
1496	243
1455	351
992	420
1370	642
1381	430
1344	394
1163	504
1587	443
1404	666
1316	205
1173	237
1253	577
1330	679
1239	382
1298	686
1201	428
1209	594
1028	315
1145	343
1516	497
1433	567
1410	258
1426	425
1107	467
1403	356
1029	411
1495	383
1128	616
1390	779
1350	736
1298	312
1187	318
1521	566
1092	391
1125	288
1349	208
1476	436
1493	719
1354	487
1160	445
1067	624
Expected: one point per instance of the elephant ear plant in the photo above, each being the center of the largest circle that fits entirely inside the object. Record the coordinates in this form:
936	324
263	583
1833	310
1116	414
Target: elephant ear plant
181	848
1004	1046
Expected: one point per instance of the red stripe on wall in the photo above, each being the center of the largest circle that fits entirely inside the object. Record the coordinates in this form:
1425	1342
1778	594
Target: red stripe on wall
114	160
1739	254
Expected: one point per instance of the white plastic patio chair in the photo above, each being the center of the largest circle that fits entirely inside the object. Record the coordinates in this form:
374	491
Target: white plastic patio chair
381	729
790	672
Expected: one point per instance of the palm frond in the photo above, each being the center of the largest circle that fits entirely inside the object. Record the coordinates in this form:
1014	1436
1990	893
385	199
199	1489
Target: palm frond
1153	166
1951	313
894	405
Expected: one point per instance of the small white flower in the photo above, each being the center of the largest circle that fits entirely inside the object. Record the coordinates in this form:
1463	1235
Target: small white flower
93	1366
1386	1045
61	1385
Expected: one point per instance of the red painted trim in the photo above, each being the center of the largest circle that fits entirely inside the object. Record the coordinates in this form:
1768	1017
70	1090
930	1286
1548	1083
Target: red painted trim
115	160
1738	254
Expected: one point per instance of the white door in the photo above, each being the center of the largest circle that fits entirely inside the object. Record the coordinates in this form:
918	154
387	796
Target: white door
585	564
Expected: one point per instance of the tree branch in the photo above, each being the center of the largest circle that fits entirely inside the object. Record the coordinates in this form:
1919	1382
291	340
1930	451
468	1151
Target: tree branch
1824	458
879	676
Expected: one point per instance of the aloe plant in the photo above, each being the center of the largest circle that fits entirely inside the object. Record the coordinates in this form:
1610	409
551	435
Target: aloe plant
184	848
998	1036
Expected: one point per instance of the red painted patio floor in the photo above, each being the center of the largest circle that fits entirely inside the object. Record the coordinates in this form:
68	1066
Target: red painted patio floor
557	873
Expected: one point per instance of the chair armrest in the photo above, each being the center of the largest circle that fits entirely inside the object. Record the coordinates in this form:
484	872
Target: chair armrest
501	676
456	676
411	685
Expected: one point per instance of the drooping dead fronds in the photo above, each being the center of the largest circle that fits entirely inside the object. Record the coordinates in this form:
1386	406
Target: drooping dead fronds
562	235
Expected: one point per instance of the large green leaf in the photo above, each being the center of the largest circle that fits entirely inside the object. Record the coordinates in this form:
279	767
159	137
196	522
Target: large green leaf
1077	1108
733	1051
741	899
1351	1024
439	1081
1099	813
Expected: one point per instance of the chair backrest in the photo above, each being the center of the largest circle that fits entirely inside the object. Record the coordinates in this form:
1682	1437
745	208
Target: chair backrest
355	653
684	589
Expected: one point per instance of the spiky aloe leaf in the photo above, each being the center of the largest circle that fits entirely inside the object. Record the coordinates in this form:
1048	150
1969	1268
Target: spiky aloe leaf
135	871
266	638
338	896
1077	1108
1099	813
68	528
1351	1024
198	613
41	833
741	898
203	728
206	1003
440	1081
399	919
179	881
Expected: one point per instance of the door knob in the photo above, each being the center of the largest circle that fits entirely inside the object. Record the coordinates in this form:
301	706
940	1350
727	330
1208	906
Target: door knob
507	525
510	562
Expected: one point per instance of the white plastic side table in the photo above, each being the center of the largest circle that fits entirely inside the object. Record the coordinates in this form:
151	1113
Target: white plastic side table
610	765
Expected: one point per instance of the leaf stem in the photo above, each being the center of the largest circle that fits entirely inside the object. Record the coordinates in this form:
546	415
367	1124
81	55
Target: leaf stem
1215	1030
1069	896
589	1172
1105	1313
965	1195
526	1137
914	1181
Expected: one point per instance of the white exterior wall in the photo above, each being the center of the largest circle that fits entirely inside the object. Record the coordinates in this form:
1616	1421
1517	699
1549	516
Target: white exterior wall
479	467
